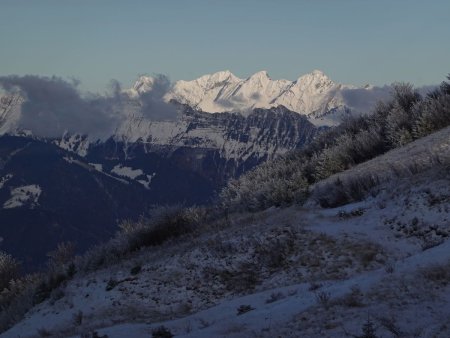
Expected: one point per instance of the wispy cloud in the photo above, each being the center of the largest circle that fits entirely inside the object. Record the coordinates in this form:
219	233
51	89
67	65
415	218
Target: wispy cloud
53	105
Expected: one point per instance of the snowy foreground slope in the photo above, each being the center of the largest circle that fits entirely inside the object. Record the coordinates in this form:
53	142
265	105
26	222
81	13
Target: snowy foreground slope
293	272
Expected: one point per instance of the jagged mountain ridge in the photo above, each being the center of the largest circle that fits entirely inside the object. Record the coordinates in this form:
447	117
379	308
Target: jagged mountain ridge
145	163
264	133
315	95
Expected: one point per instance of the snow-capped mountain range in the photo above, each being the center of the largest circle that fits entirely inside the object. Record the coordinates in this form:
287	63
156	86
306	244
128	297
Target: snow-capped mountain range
160	144
315	95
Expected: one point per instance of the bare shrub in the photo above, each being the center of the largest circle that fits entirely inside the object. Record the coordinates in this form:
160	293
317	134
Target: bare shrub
368	329
389	323
429	243
323	298
165	222
353	299
275	296
42	332
9	269
244	309
389	267
16	300
242	278
437	273
314	286
340	192
434	113
77	318
61	257
162	332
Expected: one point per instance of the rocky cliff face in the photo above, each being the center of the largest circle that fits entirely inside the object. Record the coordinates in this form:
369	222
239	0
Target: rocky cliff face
75	189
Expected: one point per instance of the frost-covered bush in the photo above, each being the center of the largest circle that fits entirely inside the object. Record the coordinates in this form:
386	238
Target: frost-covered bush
276	183
433	114
400	119
165	222
16	300
9	269
162	224
61	258
338	192
286	180
161	332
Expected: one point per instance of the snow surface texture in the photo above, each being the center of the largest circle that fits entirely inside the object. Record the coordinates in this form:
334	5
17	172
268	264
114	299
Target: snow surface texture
5	179
74	143
25	195
294	272
134	174
313	94
126	171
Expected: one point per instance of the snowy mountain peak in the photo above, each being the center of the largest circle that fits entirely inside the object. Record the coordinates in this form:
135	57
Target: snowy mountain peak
315	79
260	76
143	84
314	94
216	78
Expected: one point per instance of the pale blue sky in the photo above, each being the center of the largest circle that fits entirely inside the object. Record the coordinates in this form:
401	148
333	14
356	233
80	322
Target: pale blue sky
352	41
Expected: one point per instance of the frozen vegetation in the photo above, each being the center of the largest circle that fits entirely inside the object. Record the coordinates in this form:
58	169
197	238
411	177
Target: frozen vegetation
348	238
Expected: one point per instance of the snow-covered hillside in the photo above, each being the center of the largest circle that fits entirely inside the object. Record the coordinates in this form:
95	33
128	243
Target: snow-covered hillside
293	272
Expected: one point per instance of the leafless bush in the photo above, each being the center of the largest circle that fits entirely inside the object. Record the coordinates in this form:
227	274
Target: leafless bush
353	299
389	267
314	286
437	273
242	278
60	258
244	309
341	192
9	269
323	298
163	224
429	243
389	323
42	332
162	332
275	296
16	300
